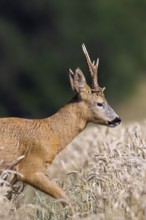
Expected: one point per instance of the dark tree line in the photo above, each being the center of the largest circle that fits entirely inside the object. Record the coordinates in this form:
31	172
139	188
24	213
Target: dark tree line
39	40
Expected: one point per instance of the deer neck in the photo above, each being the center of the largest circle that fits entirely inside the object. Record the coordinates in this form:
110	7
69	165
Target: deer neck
68	122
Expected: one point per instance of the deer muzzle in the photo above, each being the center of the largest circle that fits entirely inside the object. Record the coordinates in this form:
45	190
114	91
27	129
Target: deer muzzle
114	122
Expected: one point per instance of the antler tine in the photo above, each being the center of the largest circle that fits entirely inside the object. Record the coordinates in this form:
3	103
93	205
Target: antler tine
93	68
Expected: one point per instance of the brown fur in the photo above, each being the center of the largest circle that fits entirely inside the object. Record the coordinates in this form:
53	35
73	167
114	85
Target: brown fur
41	140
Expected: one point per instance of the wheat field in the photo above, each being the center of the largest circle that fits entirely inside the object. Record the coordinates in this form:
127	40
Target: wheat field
103	172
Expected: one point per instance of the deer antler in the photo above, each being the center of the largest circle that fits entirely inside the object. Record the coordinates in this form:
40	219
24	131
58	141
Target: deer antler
93	68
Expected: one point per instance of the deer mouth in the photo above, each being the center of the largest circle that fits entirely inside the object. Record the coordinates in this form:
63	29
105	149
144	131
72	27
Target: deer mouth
114	122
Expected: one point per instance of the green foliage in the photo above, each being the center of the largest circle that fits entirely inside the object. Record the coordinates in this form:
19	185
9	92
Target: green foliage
41	39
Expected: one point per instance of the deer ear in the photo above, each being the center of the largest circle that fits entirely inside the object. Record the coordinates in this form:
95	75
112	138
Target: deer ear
77	80
71	77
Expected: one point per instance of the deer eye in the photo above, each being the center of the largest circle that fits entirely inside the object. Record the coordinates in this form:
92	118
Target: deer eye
100	105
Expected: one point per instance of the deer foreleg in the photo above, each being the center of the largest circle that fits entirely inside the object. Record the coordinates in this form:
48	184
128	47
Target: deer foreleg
41	182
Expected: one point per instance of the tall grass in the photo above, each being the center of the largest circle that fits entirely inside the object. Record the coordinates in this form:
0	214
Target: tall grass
103	172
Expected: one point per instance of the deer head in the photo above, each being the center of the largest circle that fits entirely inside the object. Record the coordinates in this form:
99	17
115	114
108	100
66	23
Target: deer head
92	100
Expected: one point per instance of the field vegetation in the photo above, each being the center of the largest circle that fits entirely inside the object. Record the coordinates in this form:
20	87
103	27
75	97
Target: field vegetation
103	172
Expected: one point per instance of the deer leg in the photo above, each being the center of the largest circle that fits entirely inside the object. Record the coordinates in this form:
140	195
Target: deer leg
41	182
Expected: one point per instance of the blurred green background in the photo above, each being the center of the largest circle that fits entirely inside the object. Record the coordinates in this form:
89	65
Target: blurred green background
40	39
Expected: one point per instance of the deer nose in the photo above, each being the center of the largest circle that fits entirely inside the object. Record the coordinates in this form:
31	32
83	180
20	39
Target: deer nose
114	122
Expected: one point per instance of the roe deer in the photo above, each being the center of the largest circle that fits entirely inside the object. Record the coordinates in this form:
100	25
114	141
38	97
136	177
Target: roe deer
37	141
